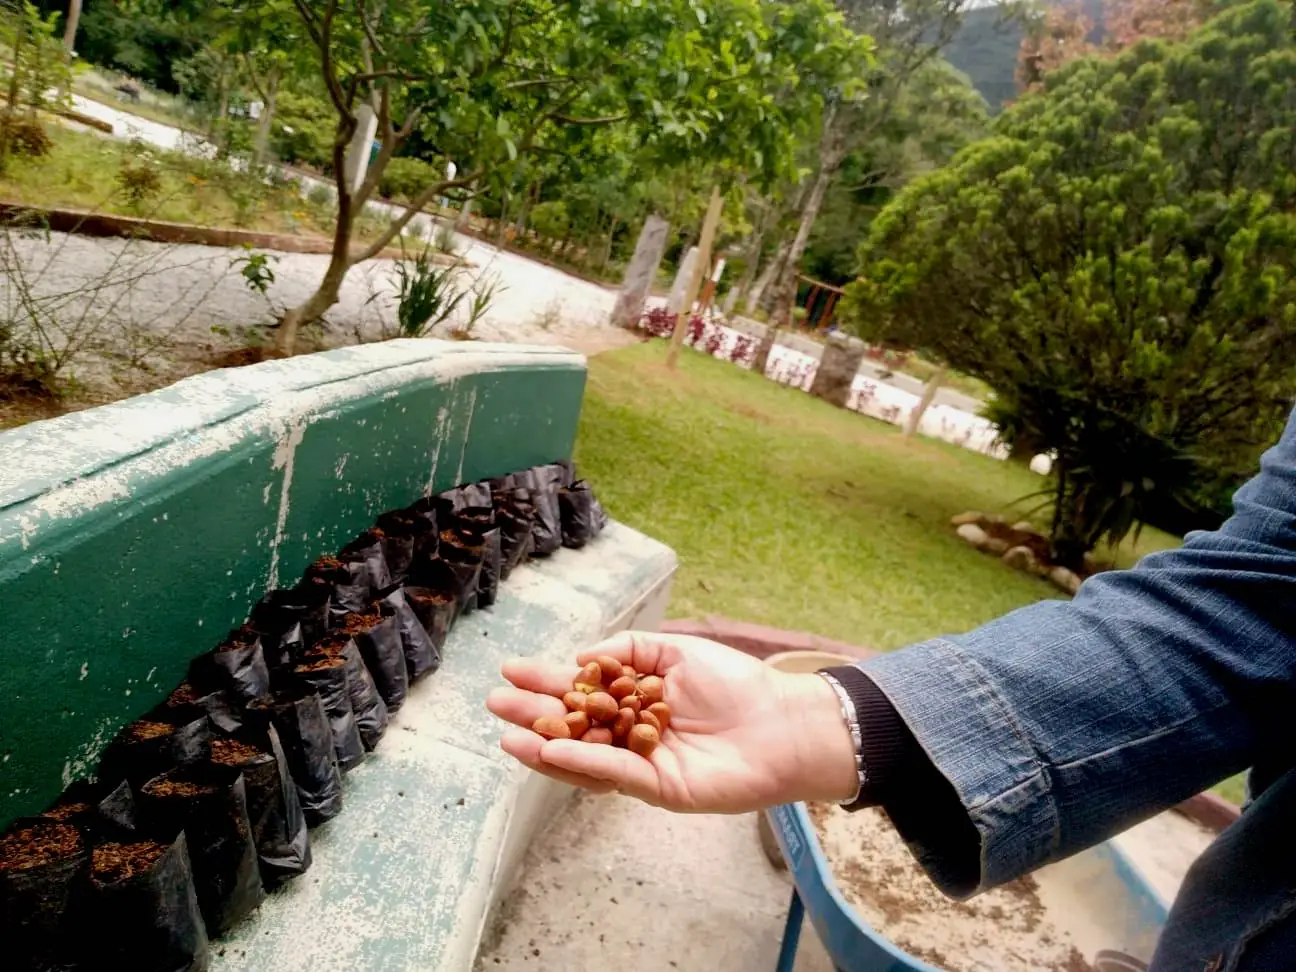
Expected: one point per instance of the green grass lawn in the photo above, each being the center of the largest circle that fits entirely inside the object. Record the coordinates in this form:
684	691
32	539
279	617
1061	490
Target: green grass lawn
84	171
789	512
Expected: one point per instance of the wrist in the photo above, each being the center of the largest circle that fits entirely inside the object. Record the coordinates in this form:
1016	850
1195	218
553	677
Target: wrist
823	766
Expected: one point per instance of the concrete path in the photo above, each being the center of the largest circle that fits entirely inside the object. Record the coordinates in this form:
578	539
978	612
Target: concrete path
618	884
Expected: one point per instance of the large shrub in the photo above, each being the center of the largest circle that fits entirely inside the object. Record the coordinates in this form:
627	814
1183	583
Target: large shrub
1117	262
405	178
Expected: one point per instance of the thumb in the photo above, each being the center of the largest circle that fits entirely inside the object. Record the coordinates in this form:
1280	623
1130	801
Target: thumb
630	773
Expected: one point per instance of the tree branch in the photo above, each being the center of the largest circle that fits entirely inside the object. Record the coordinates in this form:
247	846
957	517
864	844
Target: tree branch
415	207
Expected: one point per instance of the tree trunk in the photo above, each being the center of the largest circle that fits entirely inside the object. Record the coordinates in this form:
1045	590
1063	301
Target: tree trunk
929	393
761	361
736	299
772	271
73	22
831	155
222	105
326	294
265	125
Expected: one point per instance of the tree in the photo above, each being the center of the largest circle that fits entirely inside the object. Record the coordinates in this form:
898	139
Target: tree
908	34
1119	264
489	81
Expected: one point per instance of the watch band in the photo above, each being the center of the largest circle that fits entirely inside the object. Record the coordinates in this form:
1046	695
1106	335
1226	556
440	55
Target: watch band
857	737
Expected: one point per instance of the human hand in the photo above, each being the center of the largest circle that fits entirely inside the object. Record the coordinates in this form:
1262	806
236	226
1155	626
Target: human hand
743	735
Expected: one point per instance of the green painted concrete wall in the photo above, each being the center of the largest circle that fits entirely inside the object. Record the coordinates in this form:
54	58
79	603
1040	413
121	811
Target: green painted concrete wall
134	535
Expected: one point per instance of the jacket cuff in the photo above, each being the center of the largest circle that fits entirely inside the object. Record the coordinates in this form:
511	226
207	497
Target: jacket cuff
886	739
968	732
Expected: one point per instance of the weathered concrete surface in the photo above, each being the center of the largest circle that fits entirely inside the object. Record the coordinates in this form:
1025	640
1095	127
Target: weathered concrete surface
134	535
438	818
616	884
642	272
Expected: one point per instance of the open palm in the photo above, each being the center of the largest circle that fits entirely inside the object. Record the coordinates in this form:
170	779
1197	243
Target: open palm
742	735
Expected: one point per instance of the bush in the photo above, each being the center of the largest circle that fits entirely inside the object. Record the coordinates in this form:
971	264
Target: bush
139	178
25	137
405	178
1119	264
550	219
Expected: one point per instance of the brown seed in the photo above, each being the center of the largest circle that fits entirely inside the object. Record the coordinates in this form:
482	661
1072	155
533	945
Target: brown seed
575	701
663	713
598	735
629	670
601	707
591	674
643	740
622	687
632	702
652	689
610	667
646	718
625	721
588	688
577	723
552	727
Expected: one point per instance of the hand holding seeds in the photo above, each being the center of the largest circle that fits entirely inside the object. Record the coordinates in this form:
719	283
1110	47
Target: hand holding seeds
720	730
611	703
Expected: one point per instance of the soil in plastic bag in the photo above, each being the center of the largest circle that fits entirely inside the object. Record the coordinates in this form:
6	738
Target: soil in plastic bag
379	640
370	710
349	581
225	713
515	519
541	484
472	494
164	739
43	879
306	605
209	803
298	716
491	569
422	656
368	547
143	910
576	504
328	677
237	666
464	555
396	533
422	517
99	810
278	823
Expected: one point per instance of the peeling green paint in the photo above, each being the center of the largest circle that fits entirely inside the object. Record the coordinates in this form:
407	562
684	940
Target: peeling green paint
133	535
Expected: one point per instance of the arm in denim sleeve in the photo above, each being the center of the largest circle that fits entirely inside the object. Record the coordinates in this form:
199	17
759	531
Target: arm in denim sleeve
1064	722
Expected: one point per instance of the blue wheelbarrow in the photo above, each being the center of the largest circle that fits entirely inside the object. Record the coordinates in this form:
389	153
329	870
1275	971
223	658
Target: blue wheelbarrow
1125	906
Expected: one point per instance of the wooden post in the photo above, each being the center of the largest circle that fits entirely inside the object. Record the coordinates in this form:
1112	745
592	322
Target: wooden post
709	226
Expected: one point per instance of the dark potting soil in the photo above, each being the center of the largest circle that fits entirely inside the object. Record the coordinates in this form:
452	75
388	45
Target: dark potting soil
66	812
38	843
235	752
319	663
115	862
178	788
354	624
143	729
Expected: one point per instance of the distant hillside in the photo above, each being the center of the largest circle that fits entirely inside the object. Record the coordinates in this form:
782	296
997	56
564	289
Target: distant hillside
985	49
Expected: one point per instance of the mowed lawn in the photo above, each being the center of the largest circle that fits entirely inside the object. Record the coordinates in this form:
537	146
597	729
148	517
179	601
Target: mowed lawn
789	512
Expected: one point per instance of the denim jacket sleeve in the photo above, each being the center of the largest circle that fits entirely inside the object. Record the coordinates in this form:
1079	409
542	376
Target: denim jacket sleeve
1064	722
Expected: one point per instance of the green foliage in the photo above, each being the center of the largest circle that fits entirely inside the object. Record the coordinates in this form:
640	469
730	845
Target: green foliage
405	178
1119	264
139	176
428	294
35	66
256	269
24	136
551	219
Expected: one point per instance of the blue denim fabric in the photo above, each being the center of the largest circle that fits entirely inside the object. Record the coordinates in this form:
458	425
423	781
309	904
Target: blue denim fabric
1066	722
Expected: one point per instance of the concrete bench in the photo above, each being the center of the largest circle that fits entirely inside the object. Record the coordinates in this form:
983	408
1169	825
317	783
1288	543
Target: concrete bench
134	535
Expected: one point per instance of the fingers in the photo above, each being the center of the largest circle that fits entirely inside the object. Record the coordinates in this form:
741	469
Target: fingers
526	747
537	676
523	708
644	651
632	775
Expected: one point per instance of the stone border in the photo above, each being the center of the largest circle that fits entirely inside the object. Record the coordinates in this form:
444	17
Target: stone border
111	225
760	640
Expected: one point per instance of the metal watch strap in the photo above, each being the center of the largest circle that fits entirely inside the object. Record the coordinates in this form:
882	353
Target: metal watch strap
857	737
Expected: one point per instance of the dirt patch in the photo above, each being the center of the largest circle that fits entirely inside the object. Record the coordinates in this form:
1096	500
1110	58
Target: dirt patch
1004	930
